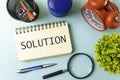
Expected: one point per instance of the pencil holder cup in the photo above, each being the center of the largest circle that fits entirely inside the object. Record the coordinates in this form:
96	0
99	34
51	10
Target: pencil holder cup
23	10
59	7
101	14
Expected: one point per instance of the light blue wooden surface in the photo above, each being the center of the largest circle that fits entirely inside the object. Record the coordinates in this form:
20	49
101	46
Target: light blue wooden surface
83	39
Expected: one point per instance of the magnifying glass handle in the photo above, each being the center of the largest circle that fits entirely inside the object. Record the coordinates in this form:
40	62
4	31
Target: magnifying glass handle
54	73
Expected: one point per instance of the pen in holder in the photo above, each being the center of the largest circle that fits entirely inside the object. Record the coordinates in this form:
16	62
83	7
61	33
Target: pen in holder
101	14
23	10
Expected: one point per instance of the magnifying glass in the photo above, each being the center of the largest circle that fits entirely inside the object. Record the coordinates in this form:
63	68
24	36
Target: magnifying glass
79	66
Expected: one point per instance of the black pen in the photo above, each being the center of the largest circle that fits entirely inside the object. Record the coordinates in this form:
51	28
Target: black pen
54	73
24	70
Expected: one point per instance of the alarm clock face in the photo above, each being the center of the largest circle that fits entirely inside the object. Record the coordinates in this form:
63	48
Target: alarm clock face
93	19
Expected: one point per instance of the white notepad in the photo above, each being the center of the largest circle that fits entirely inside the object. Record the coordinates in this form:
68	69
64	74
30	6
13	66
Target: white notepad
41	41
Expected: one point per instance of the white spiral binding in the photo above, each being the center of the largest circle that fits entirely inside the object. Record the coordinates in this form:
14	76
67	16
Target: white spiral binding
40	27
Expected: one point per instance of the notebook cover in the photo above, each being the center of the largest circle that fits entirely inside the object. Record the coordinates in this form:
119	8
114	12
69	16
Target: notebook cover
41	41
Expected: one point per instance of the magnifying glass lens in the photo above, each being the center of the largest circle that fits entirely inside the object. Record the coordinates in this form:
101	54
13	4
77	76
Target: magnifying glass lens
80	66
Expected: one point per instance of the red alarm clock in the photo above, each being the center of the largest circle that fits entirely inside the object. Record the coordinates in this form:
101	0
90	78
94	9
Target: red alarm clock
101	14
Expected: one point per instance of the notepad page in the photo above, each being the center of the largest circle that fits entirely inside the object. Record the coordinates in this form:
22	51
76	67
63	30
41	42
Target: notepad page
43	41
